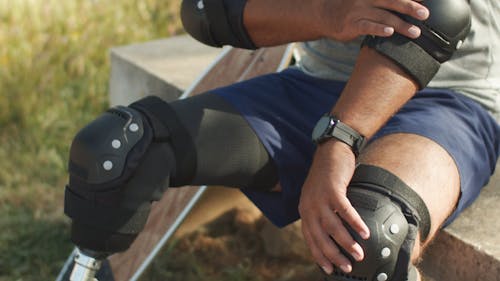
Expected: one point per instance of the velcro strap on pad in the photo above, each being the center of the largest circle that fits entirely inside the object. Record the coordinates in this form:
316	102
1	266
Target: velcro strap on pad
115	219
226	20
235	10
408	55
168	127
383	181
217	17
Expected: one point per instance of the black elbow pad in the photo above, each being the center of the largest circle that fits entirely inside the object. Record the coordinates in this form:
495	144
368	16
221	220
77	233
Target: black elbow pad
442	34
216	22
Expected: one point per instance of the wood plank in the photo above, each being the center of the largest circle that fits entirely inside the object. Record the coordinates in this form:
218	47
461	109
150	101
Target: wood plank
236	65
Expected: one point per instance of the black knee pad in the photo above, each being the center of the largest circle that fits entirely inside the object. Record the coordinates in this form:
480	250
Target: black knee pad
119	164
394	214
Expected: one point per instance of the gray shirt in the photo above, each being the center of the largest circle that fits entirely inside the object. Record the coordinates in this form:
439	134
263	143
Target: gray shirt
474	70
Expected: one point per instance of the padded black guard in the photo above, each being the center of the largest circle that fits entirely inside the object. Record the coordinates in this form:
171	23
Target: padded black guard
119	164
442	34
394	213
216	22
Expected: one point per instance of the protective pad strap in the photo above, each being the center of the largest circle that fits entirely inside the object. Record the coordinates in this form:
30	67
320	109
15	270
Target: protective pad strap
111	218
385	182
408	55
217	17
226	20
235	10
167	127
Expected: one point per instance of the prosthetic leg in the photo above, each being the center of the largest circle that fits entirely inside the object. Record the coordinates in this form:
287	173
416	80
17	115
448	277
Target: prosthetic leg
128	156
86	261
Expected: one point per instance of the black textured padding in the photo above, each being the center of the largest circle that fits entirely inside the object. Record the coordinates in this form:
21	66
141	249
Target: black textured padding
378	212
385	182
109	208
91	147
216	22
442	34
383	200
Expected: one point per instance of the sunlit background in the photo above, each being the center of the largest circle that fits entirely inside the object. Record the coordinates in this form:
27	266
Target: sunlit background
54	71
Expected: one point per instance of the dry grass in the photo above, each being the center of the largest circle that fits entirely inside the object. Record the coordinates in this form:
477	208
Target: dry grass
54	73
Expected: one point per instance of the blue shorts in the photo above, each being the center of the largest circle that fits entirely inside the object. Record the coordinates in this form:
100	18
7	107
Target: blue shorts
282	108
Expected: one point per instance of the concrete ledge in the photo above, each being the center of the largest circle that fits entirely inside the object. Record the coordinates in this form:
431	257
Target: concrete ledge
467	250
163	67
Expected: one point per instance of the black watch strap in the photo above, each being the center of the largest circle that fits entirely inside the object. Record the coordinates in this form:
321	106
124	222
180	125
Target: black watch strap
345	133
338	130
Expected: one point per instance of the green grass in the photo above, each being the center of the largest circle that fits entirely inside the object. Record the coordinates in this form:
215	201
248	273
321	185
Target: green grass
54	72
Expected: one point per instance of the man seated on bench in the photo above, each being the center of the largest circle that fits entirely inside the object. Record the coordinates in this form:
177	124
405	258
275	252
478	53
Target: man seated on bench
381	134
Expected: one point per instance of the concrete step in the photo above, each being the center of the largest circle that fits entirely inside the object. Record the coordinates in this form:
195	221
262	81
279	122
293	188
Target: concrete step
467	250
162	67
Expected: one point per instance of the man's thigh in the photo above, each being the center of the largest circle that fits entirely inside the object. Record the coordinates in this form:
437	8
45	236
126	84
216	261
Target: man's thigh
423	165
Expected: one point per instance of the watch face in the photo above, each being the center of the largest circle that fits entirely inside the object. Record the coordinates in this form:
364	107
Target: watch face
321	128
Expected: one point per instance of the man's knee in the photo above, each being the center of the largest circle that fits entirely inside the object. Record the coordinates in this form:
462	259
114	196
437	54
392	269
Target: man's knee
396	216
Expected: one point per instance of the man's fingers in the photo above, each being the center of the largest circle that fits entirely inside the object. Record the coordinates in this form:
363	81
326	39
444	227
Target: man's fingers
367	27
318	256
328	248
383	19
407	7
339	233
347	212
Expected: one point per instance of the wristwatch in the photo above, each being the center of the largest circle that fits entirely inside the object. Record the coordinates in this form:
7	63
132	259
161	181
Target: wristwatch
329	127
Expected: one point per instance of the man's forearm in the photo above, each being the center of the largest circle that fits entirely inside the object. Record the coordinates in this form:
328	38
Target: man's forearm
277	22
377	89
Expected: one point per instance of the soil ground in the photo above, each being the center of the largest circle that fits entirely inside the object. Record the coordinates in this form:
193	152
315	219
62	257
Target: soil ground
239	245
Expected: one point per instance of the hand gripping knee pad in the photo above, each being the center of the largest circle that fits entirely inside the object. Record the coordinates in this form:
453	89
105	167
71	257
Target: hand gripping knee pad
118	165
216	22
442	34
394	213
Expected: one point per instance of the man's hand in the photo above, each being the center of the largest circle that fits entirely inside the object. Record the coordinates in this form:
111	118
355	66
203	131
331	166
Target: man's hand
324	204
346	20
271	23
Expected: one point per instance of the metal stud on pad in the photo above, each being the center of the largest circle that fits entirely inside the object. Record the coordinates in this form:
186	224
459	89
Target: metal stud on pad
133	127
385	253
116	144
394	229
382	277
107	165
200	5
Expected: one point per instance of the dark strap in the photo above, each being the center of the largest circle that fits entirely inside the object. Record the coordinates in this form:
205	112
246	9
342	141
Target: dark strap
167	127
408	55
385	182
217	17
235	9
226	20
112	218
